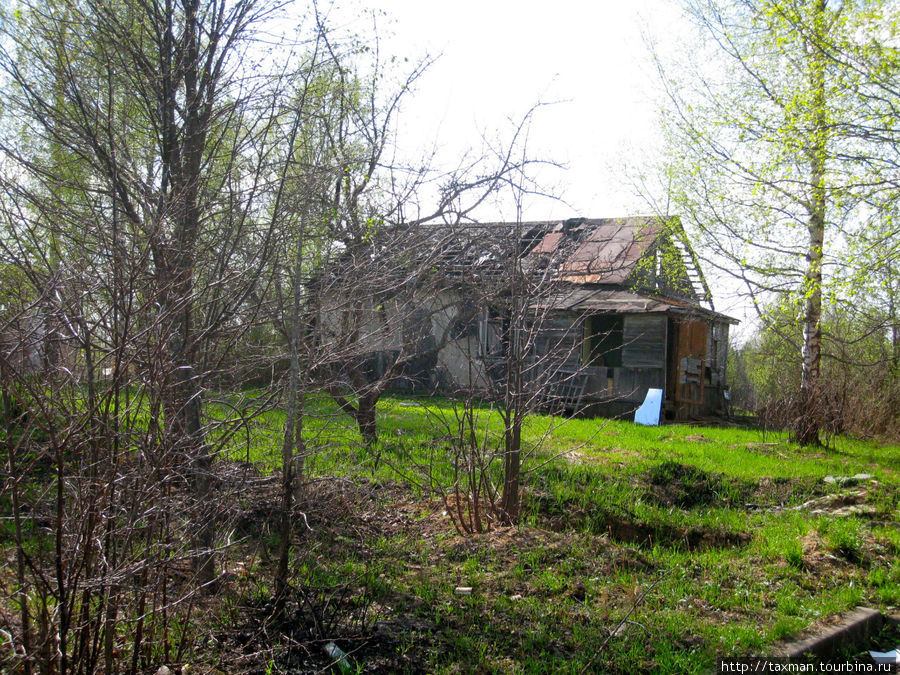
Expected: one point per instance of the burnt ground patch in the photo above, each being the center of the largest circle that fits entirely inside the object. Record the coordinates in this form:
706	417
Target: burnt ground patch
295	640
685	486
568	514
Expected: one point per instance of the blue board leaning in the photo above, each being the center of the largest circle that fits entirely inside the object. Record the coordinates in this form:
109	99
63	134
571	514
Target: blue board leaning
648	413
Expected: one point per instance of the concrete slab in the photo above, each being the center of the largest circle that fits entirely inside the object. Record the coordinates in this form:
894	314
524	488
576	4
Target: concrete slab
853	629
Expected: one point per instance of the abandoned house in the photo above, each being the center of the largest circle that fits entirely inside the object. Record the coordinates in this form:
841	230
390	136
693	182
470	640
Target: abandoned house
603	310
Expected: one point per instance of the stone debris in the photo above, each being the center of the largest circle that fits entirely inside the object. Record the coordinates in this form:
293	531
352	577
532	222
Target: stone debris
847	504
848	481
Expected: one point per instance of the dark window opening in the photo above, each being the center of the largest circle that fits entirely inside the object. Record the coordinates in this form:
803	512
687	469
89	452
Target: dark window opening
603	340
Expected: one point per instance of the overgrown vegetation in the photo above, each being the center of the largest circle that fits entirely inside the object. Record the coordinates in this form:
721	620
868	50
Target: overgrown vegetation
859	392
670	546
193	200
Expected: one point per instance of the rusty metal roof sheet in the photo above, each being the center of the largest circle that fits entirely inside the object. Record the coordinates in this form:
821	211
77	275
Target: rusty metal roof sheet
605	249
549	244
582	250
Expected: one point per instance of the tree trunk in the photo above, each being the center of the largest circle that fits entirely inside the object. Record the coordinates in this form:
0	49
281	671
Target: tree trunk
292	446
364	410
365	416
293	418
512	468
893	320
184	159
808	423
183	406
514	399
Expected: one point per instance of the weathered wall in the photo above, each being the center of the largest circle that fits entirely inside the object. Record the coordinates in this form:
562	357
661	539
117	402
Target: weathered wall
402	327
458	364
691	353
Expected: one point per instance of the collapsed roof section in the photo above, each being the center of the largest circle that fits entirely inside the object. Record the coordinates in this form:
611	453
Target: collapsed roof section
649	255
600	250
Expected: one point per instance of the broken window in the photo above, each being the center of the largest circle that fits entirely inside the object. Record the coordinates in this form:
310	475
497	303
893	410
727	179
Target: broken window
644	341
490	334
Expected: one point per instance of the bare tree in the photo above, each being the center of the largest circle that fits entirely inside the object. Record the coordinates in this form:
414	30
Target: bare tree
399	256
139	220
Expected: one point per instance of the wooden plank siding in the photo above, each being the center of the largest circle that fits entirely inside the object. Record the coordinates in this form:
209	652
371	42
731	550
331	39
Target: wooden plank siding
684	357
561	338
563	342
644	341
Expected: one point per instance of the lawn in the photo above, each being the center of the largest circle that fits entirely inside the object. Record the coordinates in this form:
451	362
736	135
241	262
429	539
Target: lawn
640	549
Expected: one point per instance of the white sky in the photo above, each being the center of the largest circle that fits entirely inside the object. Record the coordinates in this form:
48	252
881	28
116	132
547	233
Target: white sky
497	58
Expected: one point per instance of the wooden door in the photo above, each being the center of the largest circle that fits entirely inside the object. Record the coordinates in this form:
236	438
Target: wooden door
687	365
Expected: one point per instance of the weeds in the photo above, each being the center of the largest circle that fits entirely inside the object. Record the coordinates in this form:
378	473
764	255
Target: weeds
793	555
843	538
377	559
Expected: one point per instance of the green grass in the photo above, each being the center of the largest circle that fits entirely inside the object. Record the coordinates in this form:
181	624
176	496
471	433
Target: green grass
671	545
733	559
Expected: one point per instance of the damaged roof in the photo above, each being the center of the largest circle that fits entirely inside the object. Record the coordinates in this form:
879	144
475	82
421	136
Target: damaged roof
649	254
599	250
633	264
578	298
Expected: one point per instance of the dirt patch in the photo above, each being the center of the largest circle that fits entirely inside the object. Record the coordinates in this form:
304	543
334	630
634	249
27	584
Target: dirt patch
621	452
506	541
821	557
598	455
582	457
761	447
507	544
